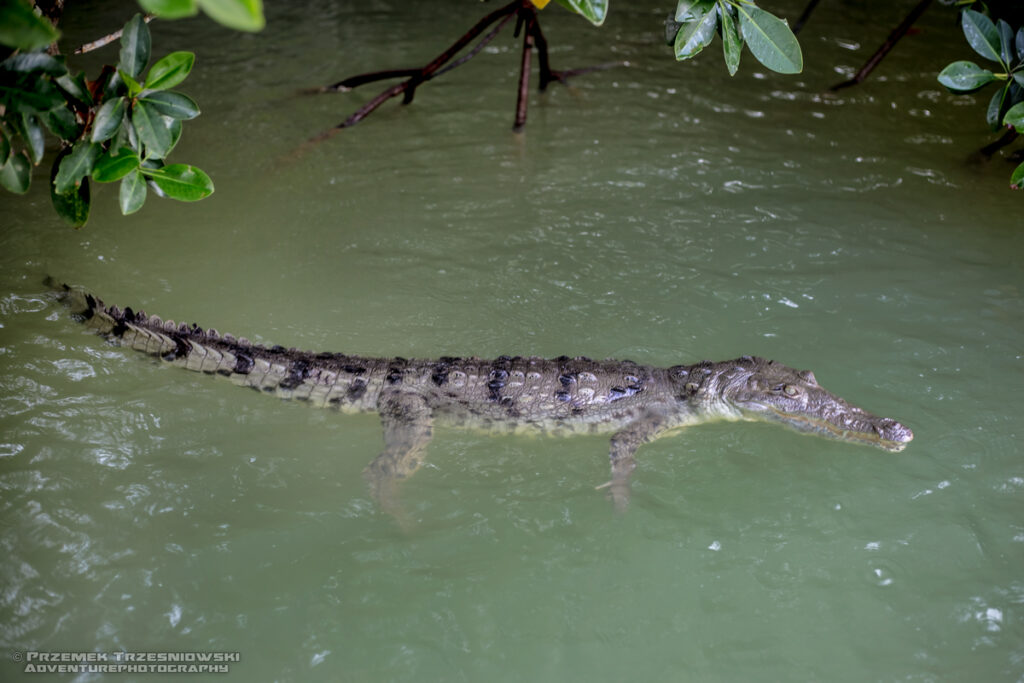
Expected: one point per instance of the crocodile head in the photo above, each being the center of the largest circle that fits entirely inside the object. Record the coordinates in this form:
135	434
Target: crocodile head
759	389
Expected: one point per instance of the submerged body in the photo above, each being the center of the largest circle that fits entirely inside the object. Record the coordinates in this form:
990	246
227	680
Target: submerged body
635	403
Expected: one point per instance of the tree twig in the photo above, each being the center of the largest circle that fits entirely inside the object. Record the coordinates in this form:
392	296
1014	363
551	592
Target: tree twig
886	47
805	15
100	42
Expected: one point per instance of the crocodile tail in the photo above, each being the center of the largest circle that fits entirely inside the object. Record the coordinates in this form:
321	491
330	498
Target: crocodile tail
323	379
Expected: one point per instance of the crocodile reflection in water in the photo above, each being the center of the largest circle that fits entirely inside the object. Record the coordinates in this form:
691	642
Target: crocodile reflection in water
634	403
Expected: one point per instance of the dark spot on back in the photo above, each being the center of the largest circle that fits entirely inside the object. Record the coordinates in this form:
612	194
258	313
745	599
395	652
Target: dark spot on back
562	396
353	369
297	372
357	389
243	363
394	376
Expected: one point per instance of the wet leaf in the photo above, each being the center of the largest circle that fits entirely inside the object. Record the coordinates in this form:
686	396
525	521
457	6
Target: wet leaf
22	28
73	205
174	104
241	15
771	40
1015	117
31	131
108	119
995	105
1005	41
76	165
170	9
964	76
981	33
153	134
16	174
688	10
732	43
111	167
5	148
28	62
1017	179
134	87
62	122
182	182
132	193
696	34
169	71
75	87
594	11
135	47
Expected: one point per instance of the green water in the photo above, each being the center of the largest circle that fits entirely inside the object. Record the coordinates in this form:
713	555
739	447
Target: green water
661	212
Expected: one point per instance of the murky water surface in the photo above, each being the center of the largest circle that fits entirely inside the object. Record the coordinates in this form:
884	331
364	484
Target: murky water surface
660	212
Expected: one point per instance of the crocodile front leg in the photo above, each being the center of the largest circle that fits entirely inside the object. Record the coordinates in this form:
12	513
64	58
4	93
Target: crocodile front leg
646	428
408	426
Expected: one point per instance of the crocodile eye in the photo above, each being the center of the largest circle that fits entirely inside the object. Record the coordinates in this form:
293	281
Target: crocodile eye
790	390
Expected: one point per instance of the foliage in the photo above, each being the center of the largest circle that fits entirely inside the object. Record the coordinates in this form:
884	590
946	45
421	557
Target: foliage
242	15
769	38
118	128
695	22
996	42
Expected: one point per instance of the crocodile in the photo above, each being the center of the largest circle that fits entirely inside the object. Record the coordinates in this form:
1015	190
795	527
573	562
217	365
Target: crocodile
634	403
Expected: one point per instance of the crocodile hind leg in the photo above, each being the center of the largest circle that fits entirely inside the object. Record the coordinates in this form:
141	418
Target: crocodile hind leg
646	428
408	426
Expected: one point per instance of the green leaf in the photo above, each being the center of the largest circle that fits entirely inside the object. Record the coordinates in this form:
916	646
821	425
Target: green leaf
153	134
688	10
170	71
1019	43
594	11
1019	77
1015	117
132	193
964	76
696	34
76	165
732	43
182	182
174	128
1005	41
170	9
108	119
23	29
1017	179
62	122
73	205
770	39
174	104
31	131
982	35
241	15
111	167
29	62
75	87
5	148
113	84
16	174
30	94
995	106
135	47
134	87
